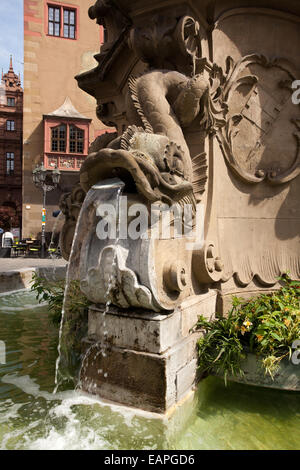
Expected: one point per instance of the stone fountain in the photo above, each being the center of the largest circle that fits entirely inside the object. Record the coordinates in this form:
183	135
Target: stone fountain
201	95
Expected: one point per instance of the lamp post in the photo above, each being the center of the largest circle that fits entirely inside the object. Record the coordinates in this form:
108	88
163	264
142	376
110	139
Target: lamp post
39	176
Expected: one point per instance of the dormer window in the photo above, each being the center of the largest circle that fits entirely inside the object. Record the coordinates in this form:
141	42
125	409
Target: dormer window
66	138
58	138
76	140
64	133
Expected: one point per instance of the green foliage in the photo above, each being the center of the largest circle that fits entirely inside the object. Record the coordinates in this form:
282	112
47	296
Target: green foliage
75	306
266	326
53	293
50	292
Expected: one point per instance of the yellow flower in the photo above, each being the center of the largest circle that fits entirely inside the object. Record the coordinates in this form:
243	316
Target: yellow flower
287	322
259	337
247	324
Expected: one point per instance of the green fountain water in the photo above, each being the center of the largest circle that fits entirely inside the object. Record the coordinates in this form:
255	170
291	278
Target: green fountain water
32	417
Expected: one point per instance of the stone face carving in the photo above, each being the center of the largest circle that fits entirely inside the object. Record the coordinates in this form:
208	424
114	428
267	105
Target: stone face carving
180	117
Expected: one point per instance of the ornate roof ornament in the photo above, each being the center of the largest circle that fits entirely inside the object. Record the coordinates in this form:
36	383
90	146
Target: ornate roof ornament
67	110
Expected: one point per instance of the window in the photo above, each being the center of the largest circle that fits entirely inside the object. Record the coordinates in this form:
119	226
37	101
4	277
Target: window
69	24
58	138
10	125
10	101
76	140
61	22
65	142
54	21
10	163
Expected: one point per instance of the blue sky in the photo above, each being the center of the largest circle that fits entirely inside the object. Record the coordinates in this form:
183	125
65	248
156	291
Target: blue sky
11	35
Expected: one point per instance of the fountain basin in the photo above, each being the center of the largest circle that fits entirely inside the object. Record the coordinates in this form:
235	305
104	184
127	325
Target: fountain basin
33	418
18	279
287	377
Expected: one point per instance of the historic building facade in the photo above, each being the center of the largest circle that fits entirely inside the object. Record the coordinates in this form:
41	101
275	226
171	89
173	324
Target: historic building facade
59	119
11	117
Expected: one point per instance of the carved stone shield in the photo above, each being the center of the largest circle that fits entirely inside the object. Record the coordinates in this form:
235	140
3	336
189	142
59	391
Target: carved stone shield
261	138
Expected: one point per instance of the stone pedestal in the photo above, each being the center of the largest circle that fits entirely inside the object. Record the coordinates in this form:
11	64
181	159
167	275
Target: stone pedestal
143	359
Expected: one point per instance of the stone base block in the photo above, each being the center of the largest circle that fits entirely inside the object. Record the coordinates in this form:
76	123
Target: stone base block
142	359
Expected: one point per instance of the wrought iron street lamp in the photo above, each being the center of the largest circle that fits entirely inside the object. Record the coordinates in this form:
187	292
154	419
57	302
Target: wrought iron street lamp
47	181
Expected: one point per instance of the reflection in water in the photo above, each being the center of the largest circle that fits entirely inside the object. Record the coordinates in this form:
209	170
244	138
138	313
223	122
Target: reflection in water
31	417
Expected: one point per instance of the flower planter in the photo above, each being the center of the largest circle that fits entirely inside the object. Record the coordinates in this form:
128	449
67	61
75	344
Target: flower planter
287	376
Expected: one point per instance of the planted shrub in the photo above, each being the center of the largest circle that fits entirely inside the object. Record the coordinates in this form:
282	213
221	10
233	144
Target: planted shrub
53	293
266	326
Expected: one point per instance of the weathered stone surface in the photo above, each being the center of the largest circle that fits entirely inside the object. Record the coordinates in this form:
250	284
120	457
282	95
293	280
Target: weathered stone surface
178	357
141	331
191	308
15	280
21	278
186	378
287	377
137	378
138	347
128	377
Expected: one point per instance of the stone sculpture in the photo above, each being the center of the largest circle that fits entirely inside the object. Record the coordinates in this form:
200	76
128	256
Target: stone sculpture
204	117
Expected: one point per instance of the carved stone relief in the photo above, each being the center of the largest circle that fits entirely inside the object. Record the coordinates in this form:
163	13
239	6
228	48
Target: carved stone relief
245	108
259	104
